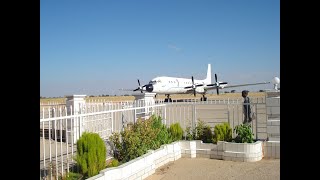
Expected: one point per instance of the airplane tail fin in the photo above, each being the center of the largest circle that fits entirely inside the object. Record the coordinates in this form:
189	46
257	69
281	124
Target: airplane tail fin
208	79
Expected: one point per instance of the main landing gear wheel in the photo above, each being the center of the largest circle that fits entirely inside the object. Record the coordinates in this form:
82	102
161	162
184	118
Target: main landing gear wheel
168	99
203	98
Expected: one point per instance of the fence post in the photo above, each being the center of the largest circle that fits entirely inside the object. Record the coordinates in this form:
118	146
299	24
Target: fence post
148	99
194	121
76	102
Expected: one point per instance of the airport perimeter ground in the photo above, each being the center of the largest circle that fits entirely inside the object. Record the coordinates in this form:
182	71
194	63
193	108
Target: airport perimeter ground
208	169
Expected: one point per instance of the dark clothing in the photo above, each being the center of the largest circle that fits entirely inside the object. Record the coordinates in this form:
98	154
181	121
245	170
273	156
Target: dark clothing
247	110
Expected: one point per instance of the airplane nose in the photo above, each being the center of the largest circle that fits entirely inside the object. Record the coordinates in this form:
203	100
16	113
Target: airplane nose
149	88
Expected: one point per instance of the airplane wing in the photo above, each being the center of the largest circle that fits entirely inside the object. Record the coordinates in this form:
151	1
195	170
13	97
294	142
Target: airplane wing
232	86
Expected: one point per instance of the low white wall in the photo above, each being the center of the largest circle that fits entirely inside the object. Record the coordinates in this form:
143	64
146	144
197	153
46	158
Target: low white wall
273	130
245	152
272	149
144	166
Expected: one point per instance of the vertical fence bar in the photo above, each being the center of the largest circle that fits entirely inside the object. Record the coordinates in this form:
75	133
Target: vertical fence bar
256	115
194	122
67	143
72	136
44	145
233	117
165	113
60	112
180	115
50	159
176	107
56	144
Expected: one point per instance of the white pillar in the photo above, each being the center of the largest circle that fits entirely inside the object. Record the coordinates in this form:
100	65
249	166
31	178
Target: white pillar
75	105
148	99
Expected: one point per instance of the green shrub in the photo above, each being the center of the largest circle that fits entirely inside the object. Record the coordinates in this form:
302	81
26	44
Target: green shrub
163	134
71	176
244	133
200	132
118	148
136	140
189	133
207	134
91	154
113	163
176	132
222	132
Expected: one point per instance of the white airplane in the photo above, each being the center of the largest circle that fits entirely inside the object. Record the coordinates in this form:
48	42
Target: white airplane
174	85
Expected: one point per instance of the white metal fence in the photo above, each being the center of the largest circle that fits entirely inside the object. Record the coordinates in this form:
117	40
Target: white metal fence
60	127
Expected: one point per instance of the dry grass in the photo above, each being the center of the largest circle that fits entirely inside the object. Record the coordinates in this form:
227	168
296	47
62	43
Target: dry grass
175	96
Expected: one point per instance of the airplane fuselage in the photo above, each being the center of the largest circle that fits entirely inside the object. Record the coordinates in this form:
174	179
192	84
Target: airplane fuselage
174	85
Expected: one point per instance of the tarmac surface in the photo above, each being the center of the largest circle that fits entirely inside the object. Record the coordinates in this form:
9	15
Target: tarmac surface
205	169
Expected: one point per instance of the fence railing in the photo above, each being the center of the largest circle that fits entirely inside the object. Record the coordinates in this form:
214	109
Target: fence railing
61	127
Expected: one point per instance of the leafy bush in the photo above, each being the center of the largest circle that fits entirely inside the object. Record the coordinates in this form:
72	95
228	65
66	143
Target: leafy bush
118	150
244	133
113	163
71	176
207	134
176	131
200	132
189	133
222	132
91	154
163	134
136	140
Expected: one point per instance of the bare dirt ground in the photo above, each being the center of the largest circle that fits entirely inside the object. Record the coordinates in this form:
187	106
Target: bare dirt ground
203	169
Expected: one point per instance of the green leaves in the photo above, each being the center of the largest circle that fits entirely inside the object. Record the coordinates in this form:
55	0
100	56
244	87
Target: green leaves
222	132
244	133
138	138
91	154
176	131
200	132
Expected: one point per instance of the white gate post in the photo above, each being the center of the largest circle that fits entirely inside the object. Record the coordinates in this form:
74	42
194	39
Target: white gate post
74	104
148	99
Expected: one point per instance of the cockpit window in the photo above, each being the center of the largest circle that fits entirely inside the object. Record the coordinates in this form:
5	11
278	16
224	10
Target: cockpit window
155	81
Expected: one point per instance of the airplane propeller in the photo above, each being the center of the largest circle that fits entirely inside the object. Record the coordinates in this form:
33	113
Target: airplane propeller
193	86
217	83
140	87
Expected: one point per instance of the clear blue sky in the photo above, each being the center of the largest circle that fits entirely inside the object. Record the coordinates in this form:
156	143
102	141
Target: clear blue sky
99	46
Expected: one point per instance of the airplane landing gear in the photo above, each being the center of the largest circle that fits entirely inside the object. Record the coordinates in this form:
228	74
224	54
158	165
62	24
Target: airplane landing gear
203	98
168	99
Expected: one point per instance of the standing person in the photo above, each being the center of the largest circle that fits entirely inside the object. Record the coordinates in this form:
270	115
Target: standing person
246	107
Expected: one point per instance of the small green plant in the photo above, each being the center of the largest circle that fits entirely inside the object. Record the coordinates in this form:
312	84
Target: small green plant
207	134
222	132
189	135
200	132
176	131
71	176
91	154
113	163
244	133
